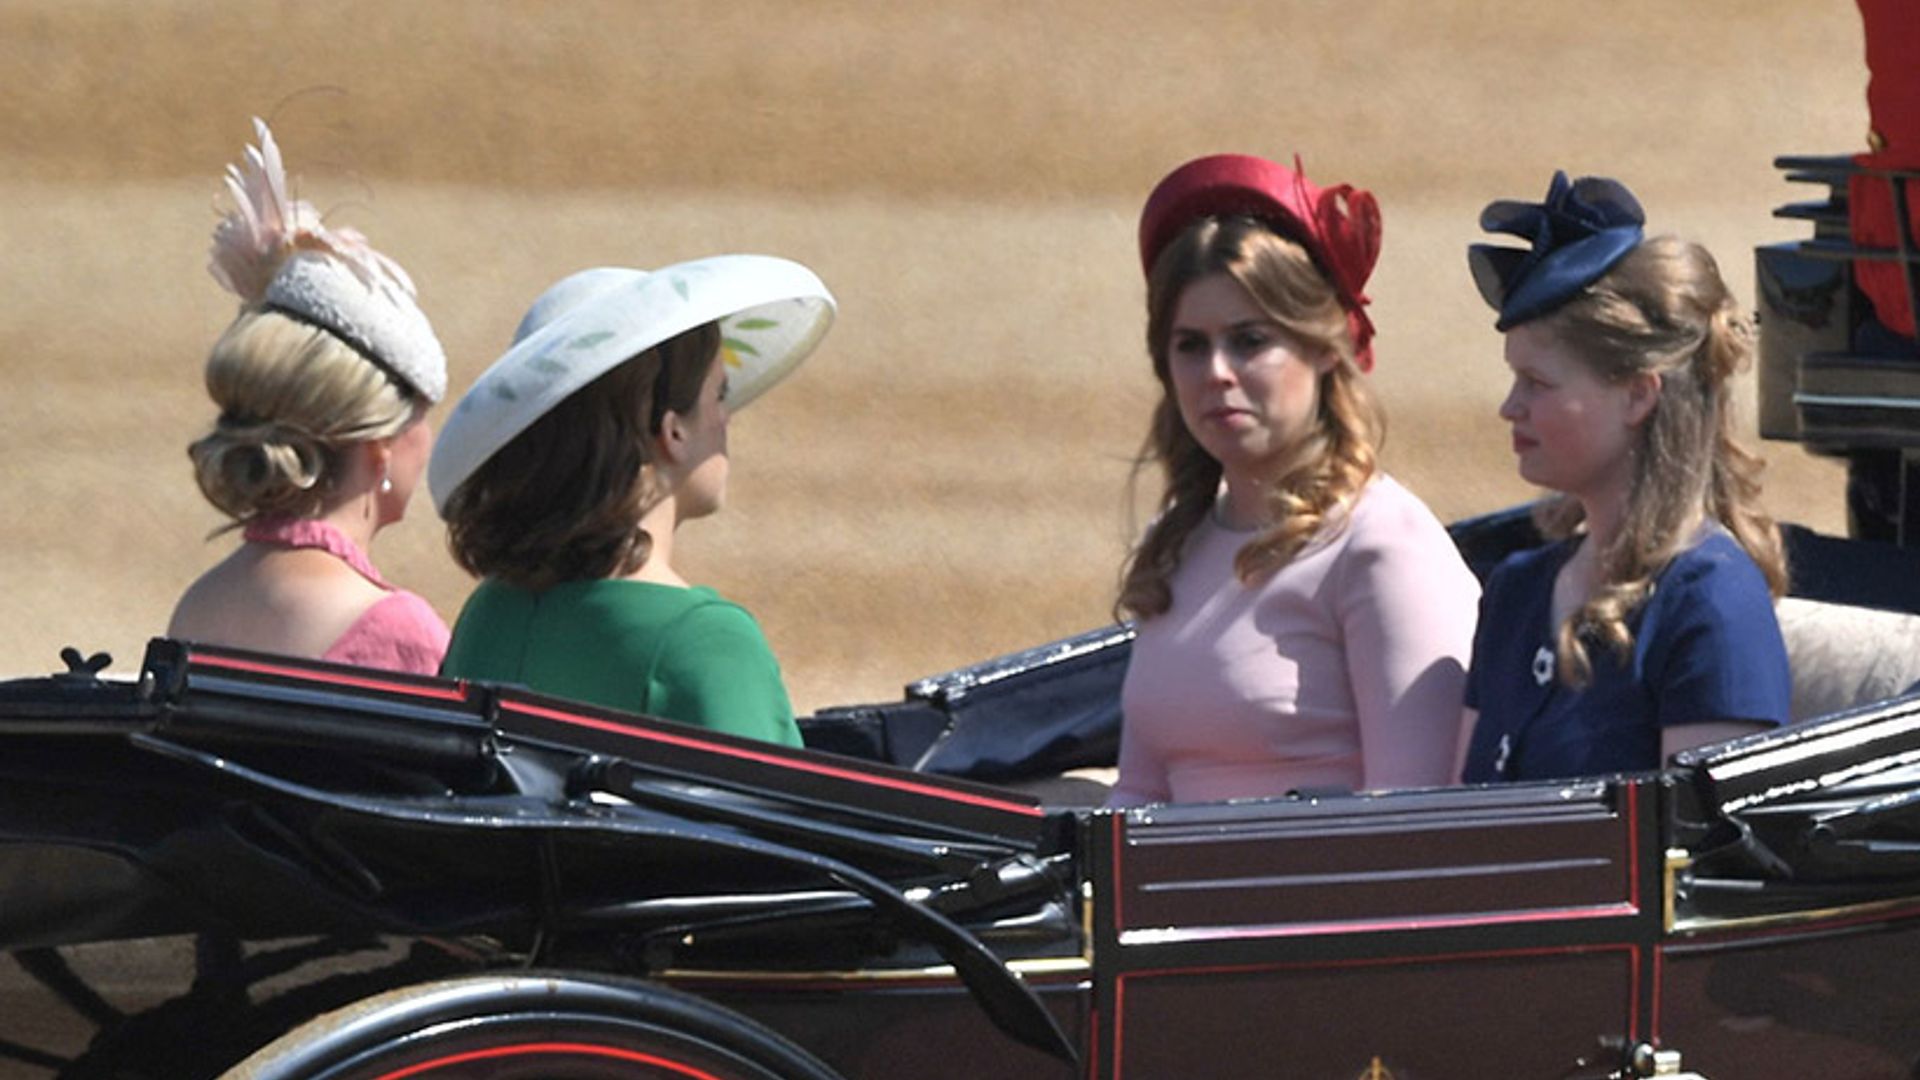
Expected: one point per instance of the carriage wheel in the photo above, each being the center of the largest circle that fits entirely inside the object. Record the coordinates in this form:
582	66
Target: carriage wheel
525	1026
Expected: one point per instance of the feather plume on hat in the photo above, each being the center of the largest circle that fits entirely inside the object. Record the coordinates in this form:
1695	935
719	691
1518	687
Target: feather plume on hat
274	251
265	226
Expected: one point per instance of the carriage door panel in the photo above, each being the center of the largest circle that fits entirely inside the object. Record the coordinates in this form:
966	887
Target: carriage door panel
1462	933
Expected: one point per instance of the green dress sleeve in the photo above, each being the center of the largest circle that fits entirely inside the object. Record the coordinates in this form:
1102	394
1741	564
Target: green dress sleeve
715	669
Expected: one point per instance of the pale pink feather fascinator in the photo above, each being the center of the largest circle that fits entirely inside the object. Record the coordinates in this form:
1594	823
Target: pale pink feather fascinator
275	253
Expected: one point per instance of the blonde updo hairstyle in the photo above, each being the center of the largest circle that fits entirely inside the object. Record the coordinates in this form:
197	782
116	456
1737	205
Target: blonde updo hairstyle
291	397
1329	466
1665	310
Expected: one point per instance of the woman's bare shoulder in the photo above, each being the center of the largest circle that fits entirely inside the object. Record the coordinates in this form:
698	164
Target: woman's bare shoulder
295	602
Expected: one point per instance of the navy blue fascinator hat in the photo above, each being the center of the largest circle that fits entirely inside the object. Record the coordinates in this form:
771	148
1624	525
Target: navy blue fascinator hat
1583	228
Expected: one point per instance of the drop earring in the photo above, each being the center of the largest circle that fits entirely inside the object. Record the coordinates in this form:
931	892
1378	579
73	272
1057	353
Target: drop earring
386	479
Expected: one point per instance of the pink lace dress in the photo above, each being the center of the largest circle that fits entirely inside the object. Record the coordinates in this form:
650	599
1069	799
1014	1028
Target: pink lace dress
400	632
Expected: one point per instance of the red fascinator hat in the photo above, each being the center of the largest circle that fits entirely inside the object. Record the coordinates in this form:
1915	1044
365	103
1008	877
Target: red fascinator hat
1339	226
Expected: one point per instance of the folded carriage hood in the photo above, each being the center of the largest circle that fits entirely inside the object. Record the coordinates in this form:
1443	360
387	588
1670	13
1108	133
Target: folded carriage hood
255	797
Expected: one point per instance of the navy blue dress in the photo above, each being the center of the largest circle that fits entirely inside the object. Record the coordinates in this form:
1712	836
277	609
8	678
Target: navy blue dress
1706	647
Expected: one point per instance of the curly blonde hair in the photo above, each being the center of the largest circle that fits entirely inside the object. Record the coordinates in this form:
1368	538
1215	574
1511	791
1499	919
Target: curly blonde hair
291	397
1332	463
1665	310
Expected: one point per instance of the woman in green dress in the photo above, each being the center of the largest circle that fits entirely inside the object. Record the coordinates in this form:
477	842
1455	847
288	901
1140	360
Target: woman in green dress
564	473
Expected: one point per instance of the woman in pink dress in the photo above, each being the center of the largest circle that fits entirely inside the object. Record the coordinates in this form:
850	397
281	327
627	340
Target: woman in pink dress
323	382
1304	621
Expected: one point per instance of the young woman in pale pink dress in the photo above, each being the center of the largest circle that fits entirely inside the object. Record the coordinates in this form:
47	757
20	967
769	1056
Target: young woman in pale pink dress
1304	621
323	382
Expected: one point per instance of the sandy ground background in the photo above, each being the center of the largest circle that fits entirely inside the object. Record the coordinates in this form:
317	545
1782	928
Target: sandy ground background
946	479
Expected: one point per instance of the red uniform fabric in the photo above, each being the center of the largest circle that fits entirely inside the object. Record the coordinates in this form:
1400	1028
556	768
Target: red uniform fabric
1893	104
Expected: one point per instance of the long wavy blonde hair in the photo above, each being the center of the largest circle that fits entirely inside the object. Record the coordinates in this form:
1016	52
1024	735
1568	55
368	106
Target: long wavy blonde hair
1329	466
1664	310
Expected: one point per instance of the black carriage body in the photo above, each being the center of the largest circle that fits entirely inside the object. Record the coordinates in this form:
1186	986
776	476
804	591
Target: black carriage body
1832	376
1754	908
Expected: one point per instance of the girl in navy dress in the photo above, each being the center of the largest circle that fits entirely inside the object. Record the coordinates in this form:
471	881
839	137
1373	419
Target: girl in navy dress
1647	626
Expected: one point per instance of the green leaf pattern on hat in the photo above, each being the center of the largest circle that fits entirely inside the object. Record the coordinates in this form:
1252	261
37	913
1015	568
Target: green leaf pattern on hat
588	341
546	367
779	310
732	345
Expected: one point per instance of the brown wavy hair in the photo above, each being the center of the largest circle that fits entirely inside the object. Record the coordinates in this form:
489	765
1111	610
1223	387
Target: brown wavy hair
1335	460
292	398
564	499
1663	309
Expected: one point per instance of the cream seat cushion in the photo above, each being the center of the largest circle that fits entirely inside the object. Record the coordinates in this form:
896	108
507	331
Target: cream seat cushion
1845	656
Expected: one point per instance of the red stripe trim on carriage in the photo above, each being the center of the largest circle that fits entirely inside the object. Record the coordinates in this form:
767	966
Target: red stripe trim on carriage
458	692
1633	894
1653	1006
1168	935
555	1049
1633	991
1633	843
773	759
1093	1041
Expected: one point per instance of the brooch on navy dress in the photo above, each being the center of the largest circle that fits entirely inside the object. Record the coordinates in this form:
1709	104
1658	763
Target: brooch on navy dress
1543	666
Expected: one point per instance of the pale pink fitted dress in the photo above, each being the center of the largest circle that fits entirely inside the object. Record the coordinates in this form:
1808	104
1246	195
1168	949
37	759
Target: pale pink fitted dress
1342	671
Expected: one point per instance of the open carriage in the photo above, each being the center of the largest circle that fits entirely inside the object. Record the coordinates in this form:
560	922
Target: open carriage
234	864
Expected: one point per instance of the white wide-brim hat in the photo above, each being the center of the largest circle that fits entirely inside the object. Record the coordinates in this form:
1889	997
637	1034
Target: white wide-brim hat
772	312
